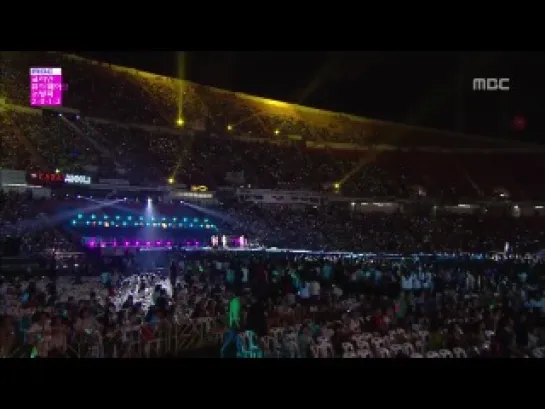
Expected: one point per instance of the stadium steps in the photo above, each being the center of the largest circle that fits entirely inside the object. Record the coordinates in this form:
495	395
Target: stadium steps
152	97
39	160
463	171
74	239
83	135
90	140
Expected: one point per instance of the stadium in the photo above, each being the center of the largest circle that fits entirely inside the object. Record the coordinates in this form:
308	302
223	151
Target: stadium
160	204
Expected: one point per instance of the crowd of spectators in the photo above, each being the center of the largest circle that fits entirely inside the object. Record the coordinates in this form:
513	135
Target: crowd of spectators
356	308
56	142
203	159
336	228
270	143
14	153
24	219
292	306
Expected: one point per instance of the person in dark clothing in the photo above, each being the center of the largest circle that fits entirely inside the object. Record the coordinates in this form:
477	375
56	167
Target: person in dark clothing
162	300
229	348
257	319
521	332
504	338
129	302
52	268
173	276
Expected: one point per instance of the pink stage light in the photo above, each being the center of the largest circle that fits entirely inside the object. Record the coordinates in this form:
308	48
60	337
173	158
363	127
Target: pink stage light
168	243
126	244
158	243
137	243
148	243
92	244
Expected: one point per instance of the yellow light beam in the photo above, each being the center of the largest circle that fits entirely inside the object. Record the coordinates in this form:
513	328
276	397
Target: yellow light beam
370	157
181	71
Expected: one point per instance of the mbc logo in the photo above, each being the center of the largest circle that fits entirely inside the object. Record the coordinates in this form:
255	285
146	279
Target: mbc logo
490	84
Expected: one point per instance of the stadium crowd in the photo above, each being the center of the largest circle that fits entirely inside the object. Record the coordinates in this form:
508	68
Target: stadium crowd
337	228
229	132
23	218
292	305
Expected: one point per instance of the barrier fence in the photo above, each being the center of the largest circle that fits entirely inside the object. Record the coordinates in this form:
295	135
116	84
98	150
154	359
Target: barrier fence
141	341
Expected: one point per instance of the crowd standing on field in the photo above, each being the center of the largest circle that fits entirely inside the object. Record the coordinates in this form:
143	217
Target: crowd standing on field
294	306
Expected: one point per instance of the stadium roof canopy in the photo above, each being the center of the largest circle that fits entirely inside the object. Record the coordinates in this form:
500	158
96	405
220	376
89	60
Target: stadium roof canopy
276	119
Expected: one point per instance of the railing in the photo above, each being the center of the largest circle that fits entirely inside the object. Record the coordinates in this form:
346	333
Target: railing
142	341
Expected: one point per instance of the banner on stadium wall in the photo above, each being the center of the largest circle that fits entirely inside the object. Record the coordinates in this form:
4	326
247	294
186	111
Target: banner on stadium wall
91	168
77	179
116	182
235	178
198	125
58	178
198	188
12	177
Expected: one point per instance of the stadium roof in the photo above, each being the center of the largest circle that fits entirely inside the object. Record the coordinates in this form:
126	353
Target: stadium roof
373	130
430	89
269	112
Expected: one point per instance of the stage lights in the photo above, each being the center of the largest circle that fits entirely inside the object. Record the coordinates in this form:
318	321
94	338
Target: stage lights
118	221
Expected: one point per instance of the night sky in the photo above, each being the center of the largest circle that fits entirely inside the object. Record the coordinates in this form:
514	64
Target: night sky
432	89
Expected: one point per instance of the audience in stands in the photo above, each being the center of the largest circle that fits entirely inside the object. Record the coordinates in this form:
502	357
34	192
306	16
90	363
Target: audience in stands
450	304
272	145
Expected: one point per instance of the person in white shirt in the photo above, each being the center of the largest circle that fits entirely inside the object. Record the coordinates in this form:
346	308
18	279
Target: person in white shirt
407	282
244	274
427	280
470	282
337	292
418	280
314	291
304	292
